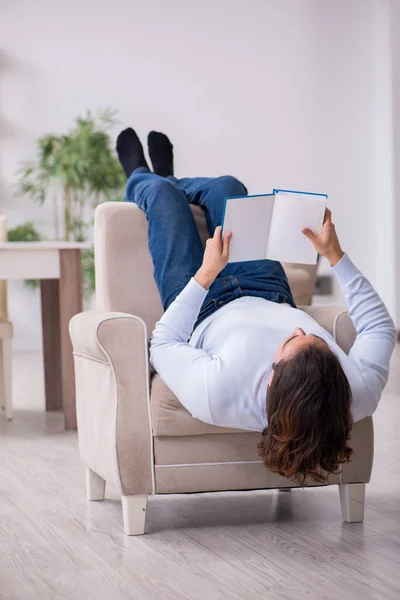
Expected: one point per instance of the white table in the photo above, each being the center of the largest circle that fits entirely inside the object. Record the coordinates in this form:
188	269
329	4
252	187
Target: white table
58	267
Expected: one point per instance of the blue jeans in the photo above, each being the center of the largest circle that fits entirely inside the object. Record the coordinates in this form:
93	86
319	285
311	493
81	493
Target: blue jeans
175	244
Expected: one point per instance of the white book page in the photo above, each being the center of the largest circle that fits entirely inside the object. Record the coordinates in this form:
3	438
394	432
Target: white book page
249	220
293	212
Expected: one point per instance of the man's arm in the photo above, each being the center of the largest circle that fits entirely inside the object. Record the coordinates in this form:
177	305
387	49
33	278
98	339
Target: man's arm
183	368
376	334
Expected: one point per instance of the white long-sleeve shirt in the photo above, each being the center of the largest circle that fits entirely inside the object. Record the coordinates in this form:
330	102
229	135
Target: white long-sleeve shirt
220	373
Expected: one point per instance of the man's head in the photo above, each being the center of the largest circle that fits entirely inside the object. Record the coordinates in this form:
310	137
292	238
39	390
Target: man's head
308	407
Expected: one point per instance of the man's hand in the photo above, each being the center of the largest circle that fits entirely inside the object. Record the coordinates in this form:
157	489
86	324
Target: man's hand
216	256
326	242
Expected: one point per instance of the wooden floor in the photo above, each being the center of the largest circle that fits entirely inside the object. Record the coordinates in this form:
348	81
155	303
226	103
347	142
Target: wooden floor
265	545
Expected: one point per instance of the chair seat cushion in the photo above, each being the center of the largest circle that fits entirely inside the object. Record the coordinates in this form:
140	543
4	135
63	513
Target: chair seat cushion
170	418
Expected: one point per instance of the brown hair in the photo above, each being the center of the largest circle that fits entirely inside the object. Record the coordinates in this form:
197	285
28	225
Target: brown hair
309	419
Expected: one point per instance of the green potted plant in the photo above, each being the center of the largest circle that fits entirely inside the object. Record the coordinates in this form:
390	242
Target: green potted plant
74	172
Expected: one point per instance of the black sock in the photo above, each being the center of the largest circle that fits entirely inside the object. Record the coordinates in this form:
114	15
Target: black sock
161	153
130	151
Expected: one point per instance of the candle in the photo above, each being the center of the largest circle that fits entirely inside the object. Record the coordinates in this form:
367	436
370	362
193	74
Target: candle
3	284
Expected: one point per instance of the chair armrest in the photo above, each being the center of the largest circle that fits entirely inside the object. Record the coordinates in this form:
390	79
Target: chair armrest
336	320
113	400
86	336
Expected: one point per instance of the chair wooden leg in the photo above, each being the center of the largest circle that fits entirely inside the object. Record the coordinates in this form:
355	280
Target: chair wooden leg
95	485
352	501
6	387
134	514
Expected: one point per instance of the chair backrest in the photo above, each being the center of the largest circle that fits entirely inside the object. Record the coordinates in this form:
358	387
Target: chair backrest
124	270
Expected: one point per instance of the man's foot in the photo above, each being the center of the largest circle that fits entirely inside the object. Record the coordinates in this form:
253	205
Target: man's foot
161	153
130	151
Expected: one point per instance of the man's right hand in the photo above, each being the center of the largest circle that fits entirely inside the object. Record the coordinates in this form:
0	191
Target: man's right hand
216	256
326	243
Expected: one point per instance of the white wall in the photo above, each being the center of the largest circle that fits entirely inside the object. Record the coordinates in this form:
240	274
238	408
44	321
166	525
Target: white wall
394	222
277	93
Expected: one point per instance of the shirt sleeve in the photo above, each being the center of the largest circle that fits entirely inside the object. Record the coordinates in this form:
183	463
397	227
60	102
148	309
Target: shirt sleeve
376	335
184	369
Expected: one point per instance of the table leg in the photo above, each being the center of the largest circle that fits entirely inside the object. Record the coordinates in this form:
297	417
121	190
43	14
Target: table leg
70	305
49	291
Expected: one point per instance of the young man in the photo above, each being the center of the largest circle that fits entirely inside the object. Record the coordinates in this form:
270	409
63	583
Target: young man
231	344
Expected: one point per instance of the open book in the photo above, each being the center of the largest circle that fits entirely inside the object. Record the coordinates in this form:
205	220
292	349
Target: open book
269	226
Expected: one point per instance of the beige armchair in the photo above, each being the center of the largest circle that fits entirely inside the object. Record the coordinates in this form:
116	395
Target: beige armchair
133	431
